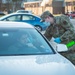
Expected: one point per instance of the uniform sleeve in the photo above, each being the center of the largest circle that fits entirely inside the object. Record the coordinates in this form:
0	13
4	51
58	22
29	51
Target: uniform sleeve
48	33
69	31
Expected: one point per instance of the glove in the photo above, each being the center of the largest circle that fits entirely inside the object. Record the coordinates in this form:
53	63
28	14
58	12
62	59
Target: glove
57	40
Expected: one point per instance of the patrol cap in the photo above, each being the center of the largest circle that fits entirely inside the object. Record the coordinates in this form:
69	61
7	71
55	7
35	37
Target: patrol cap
44	15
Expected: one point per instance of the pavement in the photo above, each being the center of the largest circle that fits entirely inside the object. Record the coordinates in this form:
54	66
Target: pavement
73	21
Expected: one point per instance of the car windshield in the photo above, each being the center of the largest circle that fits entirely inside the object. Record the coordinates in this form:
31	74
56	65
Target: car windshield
23	41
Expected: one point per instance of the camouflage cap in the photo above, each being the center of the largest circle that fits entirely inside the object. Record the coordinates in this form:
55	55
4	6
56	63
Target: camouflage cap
44	15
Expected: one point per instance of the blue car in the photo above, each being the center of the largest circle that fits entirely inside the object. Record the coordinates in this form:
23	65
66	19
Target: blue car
25	17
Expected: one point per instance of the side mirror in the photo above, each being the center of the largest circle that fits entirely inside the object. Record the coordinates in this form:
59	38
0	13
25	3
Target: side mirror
61	48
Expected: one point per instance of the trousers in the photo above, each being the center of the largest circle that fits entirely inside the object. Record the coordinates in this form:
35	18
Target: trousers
70	54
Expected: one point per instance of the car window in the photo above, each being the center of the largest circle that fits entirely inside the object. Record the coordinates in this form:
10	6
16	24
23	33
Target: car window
28	17
13	18
23	12
23	41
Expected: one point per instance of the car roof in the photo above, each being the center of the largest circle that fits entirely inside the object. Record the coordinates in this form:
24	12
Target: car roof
21	13
23	10
6	24
17	14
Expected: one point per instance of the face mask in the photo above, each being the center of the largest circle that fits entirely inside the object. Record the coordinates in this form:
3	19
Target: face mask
47	23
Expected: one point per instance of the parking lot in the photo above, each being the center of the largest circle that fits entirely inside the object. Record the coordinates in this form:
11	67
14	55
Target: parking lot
73	21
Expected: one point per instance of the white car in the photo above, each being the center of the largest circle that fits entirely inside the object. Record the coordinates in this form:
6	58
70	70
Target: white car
25	51
24	11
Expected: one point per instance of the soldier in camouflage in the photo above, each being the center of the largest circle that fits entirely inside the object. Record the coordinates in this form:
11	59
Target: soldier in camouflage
62	30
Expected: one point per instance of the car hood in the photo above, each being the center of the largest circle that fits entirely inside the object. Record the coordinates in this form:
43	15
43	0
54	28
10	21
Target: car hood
53	64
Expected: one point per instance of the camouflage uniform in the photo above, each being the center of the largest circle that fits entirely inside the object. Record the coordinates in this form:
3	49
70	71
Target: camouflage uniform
64	29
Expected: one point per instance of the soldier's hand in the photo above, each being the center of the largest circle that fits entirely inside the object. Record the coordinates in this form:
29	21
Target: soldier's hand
57	40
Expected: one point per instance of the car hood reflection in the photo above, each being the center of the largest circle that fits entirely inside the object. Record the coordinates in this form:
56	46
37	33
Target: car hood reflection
53	64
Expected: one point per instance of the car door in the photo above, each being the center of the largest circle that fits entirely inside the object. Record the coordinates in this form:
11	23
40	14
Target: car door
16	18
29	19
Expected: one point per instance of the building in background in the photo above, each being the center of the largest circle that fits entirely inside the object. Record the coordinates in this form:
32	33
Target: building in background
0	5
69	5
38	6
11	4
58	6
54	6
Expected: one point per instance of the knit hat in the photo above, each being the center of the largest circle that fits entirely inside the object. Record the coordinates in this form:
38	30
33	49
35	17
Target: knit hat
45	15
